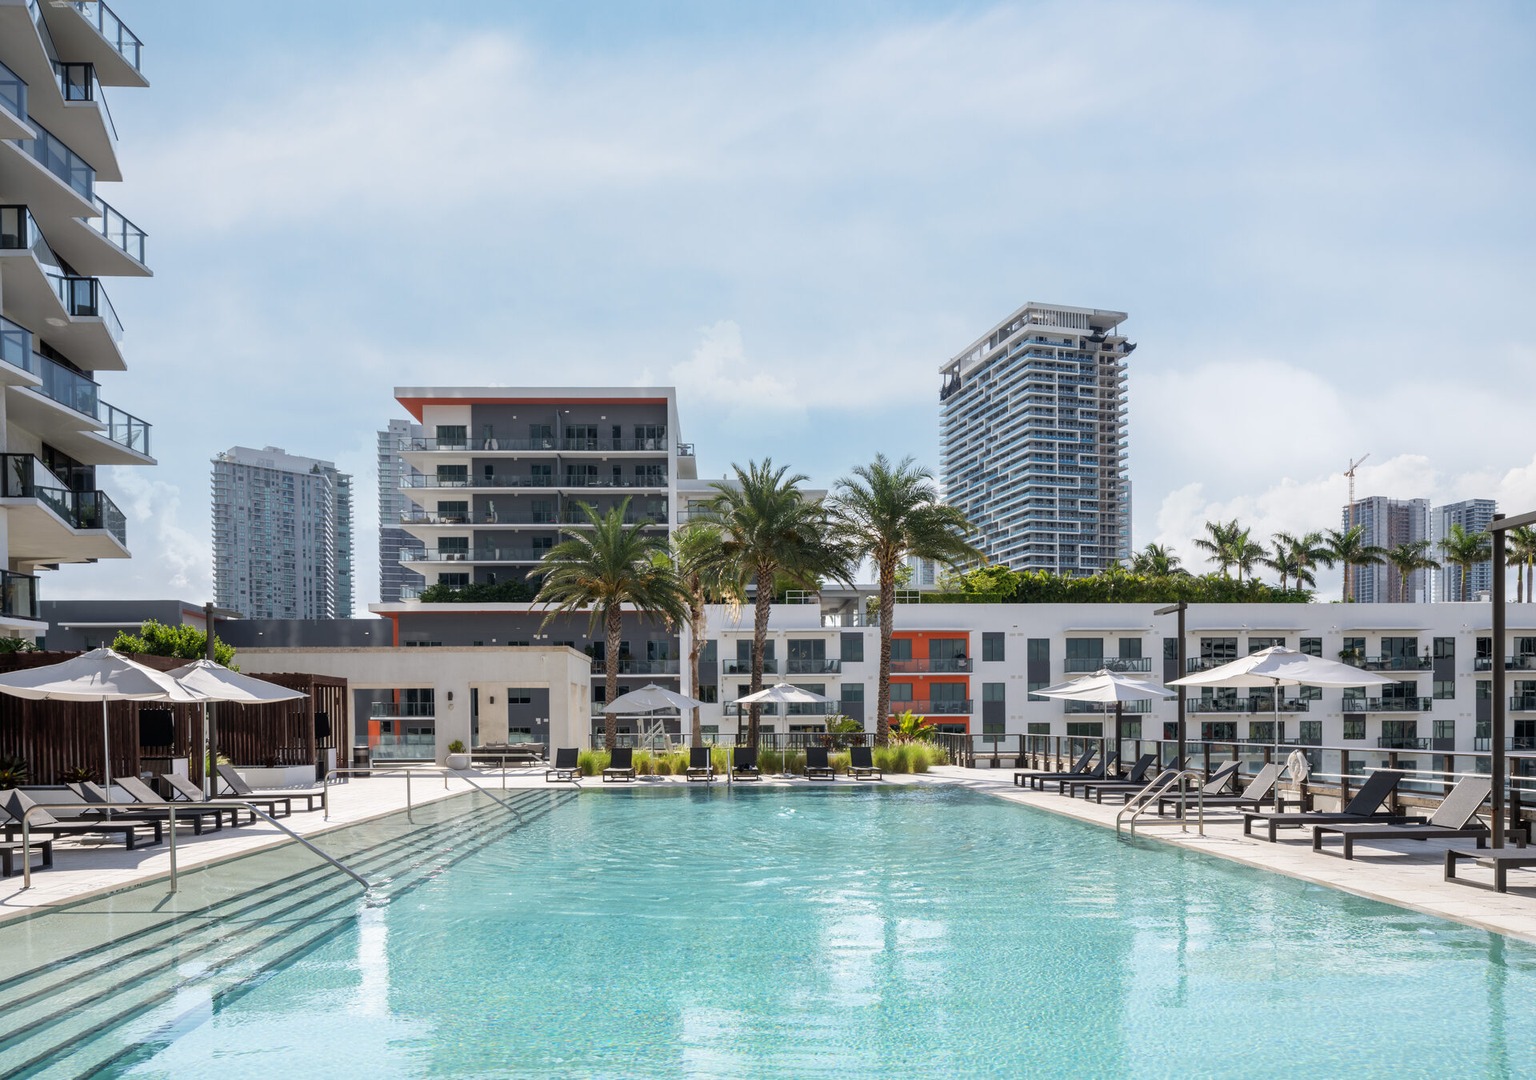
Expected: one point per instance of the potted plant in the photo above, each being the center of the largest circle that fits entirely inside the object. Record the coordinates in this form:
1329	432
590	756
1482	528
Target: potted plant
458	757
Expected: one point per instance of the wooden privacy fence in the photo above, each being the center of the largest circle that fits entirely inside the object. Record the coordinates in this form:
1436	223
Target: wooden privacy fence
55	738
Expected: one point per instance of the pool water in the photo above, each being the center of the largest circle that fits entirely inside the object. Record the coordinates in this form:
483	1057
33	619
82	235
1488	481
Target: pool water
871	931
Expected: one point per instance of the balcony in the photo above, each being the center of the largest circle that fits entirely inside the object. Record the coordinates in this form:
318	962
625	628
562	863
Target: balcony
1122	664
456	481
490	442
629	665
402	710
1412	704
18	596
1404	742
66	166
794	666
1511	663
1390	663
1253	705
1205	663
122	234
473	555
1524	703
744	667
1099	708
797	708
931	666
51	523
90	30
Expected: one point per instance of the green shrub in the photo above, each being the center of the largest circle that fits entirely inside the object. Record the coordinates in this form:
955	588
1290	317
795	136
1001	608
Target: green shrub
592	762
456	747
910	757
13	772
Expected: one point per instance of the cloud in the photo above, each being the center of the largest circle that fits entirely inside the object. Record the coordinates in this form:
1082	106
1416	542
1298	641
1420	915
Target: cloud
719	375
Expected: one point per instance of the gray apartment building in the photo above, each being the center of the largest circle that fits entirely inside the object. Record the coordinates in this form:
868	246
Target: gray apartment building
1473	515
396	582
1386	523
1032	440
282	535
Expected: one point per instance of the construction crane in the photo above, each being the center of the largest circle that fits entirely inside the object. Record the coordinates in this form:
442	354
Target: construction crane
1350	472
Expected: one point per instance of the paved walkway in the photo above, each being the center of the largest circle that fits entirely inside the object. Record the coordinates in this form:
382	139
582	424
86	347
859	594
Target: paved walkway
1406	873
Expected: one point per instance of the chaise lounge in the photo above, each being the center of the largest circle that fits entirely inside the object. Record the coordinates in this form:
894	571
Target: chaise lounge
700	765
237	785
1138	776
1364	808
1061	780
1259	789
189	792
744	764
861	764
818	766
621	765
42	823
567	766
1452	819
1079	769
147	800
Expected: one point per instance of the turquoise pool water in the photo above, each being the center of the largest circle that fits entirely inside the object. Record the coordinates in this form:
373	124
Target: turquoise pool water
864	932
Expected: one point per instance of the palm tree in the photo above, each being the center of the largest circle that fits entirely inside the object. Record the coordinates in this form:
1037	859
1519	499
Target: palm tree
1465	550
1246	554
693	550
887	513
1219	543
1348	547
1156	560
1408	558
1285	560
1309	551
604	569
1520	546
768	530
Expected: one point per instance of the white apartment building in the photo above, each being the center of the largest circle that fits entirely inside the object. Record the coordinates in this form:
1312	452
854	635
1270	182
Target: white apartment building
1386	523
282	535
1032	440
1473	515
970	668
59	238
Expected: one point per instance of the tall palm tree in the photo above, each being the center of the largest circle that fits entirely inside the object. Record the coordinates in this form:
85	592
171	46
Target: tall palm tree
1284	559
1156	560
602	570
1520	544
885	513
1309	552
706	580
1408	558
1220	543
769	529
1465	550
1347	547
1247	553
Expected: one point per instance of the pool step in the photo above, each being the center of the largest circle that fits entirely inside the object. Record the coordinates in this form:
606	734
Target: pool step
75	1019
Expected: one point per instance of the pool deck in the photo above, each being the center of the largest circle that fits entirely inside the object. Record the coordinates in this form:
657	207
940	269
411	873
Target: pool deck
1405	873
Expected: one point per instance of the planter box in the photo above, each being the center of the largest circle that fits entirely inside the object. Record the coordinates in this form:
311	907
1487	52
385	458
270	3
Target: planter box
458	761
284	776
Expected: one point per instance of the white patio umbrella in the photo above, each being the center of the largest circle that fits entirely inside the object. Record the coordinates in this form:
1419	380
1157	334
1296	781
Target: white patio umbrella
99	675
209	681
787	693
649	698
1108	686
1278	666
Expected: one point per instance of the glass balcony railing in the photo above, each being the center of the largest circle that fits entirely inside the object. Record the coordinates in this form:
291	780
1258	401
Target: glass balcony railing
492	483
798	666
18	595
1412	704
1511	663
13	93
84	298
52	154
744	667
1254	705
112	30
16	346
944	707
124	428
23	476
1081	664
925	666
122	233
492	440
476	555
68	388
1390	663
1098	708
629	665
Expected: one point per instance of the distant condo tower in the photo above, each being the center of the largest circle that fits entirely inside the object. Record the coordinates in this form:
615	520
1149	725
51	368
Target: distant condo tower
282	535
1386	523
396	476
1473	515
1032	440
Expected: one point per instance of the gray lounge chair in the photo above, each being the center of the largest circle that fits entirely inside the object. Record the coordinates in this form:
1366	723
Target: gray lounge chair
621	765
186	791
700	765
1079	768
97	804
1452	819
1364	808
861	764
237	786
1061	780
744	764
1138	776
42	823
1220	777
1259	789
818	766
567	766
147	799
10	849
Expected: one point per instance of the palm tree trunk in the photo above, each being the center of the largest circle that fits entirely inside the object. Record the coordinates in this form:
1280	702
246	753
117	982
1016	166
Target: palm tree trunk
695	648
887	624
762	611
613	620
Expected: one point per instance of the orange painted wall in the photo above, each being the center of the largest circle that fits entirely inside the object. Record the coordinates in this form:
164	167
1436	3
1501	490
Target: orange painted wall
921	683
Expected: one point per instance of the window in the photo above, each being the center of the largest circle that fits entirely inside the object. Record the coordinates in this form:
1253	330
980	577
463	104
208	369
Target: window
1130	648
1525	646
1091	729
1038	728
853	648
452	435
710	653
541	436
993	692
1218	650
1354	727
1485	648
1218	730
453	581
1257	643
1039	648
992	646
1401	649
1170	730
1261	730
852	698
453	476
1353	650
901	648
1445	648
946	691
1445	689
1085	648
1033	686
516	696
901	691
947	649
1445	729
710	694
1312	732
1312	646
1171	649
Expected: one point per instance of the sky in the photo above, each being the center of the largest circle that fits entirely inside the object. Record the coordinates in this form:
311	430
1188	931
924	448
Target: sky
1319	217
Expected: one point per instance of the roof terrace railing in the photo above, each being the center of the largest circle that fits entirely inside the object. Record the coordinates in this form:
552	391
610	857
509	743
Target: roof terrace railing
112	29
119	231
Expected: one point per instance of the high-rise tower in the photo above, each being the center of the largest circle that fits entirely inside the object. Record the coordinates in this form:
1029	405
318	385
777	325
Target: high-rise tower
1033	439
396	582
1386	523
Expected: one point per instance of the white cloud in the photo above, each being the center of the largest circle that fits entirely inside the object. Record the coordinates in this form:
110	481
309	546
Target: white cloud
719	375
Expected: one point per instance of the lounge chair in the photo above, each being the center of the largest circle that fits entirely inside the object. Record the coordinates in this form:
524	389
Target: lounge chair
621	765
96	804
10	849
1061	780
818	766
700	765
861	764
147	800
186	791
1502	860
1259	789
1453	819
1138	776
237	786
1079	768
1219	778
42	823
1364	808
744	764
567	766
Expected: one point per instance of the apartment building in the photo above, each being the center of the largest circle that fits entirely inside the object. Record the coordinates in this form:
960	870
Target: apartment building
1386	523
1473	515
1032	442
59	240
282	535
395	476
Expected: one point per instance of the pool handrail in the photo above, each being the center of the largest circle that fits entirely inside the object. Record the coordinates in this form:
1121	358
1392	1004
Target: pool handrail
1156	788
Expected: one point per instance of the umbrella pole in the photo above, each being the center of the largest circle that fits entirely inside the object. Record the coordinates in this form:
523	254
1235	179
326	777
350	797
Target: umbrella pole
207	784
1119	737
1276	715
106	757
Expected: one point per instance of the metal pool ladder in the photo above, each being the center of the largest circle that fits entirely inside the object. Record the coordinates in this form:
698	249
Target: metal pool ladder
1149	795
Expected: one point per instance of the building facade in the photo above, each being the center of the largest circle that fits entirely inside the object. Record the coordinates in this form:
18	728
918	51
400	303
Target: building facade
59	240
1032	439
1473	515
282	534
395	476
1386	523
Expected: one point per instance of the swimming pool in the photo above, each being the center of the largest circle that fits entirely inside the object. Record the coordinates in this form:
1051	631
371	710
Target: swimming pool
900	932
